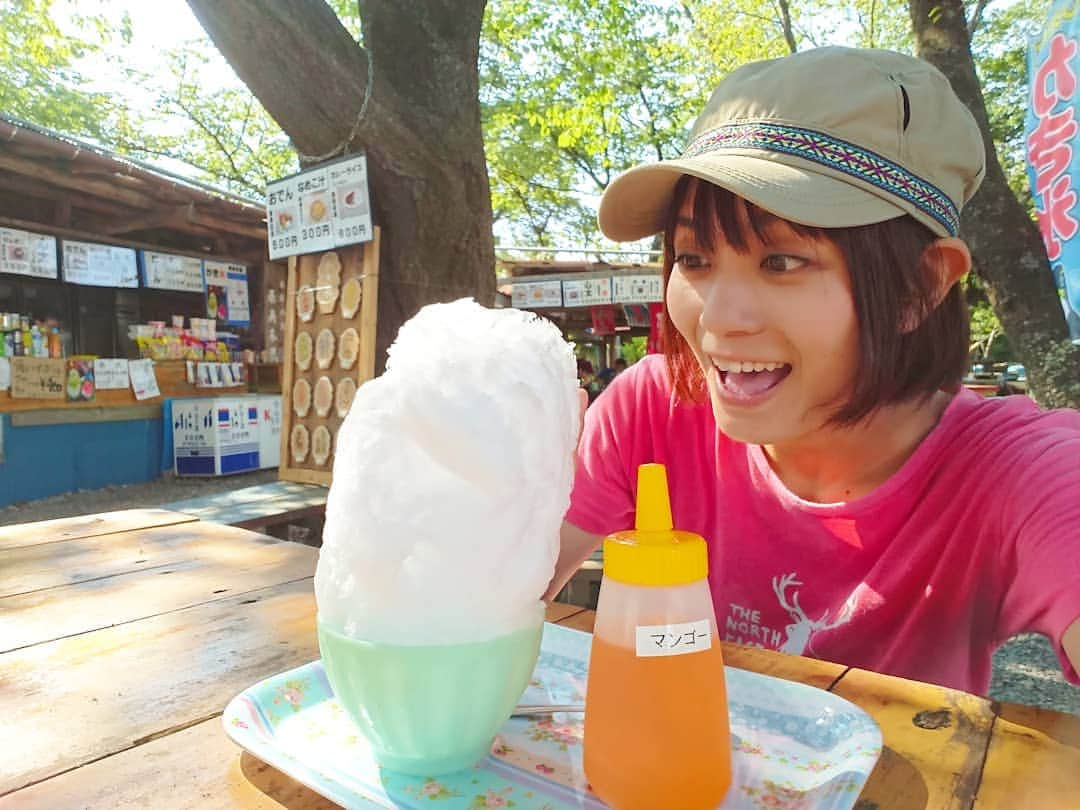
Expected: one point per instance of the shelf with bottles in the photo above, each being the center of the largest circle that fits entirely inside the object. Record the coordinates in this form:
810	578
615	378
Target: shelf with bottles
20	336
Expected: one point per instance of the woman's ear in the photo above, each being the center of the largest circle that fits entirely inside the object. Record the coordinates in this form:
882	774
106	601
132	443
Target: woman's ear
945	261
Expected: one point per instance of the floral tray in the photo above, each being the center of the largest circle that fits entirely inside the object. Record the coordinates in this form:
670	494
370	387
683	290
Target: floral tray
793	746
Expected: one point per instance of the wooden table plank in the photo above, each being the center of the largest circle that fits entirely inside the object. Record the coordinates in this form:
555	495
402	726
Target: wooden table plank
73	528
259	492
236	561
935	741
557	612
79	699
580	619
1033	762
32	568
262	508
198	768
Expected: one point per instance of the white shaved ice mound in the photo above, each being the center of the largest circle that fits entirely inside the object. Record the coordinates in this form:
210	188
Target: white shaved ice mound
452	473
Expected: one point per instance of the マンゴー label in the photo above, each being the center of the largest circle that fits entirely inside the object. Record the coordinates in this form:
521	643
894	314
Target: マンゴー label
673	639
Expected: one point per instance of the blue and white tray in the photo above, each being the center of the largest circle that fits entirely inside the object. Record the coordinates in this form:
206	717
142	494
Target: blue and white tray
793	746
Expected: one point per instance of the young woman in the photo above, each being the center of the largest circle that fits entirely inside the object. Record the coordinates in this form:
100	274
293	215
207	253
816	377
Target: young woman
859	505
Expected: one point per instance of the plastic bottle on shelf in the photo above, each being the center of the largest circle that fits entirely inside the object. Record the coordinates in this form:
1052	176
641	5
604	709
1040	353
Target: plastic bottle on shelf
656	715
35	341
56	348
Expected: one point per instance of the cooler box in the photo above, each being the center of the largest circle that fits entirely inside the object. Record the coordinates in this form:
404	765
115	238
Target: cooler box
269	430
216	436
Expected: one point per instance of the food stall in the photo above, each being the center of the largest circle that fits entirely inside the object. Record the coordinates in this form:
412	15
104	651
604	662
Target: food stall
597	304
122	287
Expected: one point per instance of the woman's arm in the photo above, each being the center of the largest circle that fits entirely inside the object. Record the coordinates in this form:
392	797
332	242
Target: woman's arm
1071	643
575	546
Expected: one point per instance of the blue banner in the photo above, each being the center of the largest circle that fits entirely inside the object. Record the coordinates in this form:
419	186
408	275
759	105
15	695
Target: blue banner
1052	161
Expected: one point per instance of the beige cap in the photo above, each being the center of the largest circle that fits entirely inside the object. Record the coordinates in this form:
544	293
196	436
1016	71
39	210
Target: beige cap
832	137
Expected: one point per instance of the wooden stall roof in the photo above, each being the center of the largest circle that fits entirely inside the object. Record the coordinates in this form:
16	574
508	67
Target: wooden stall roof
58	184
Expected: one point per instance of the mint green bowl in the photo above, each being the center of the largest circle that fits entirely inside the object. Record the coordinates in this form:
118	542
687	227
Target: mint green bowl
429	710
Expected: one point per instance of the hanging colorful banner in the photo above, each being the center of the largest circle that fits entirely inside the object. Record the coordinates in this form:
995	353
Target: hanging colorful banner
1053	166
603	320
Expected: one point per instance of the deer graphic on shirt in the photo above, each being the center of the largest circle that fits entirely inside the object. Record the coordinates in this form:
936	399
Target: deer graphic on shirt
799	633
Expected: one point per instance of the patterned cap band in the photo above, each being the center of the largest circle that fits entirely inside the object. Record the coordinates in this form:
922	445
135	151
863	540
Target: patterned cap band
836	154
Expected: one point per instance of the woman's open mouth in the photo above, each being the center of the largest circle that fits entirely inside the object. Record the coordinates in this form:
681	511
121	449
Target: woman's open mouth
747	381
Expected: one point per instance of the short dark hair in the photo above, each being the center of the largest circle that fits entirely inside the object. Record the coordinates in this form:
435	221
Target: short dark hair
890	283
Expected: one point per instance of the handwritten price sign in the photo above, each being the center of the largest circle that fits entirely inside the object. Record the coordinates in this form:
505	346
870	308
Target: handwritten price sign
37	378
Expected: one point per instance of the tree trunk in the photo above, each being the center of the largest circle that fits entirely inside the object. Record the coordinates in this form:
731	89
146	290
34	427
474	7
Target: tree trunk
420	129
1007	246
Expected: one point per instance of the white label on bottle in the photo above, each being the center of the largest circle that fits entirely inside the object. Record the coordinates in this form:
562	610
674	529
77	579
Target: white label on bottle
673	639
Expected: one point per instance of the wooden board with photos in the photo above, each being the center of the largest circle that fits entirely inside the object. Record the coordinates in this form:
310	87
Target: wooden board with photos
330	317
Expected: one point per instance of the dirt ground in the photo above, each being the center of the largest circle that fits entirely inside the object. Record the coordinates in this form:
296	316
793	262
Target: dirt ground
1026	670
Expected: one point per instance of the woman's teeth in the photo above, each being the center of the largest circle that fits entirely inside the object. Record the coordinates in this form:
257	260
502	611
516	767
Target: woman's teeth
746	365
747	379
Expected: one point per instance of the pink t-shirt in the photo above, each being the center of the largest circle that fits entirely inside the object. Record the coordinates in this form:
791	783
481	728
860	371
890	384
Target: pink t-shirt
974	539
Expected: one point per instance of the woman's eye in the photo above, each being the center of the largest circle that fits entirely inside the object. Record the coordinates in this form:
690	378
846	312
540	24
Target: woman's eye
780	263
691	261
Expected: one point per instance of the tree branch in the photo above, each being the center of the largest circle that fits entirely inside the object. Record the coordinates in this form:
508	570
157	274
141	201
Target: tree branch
285	51
976	17
785	22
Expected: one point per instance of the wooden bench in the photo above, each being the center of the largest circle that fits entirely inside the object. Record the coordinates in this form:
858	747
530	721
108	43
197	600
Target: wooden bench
261	508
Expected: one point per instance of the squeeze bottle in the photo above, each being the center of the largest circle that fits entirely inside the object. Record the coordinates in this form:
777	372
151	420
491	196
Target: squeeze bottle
656	716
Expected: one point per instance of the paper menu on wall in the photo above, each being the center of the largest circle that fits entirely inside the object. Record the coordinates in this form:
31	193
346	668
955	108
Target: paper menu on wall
99	265
527	295
111	373
143	381
586	292
641	289
165	271
27	254
227	292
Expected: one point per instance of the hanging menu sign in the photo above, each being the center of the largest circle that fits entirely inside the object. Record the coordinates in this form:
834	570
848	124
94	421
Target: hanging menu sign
27	254
319	209
637	289
100	265
163	271
283	218
586	292
533	294
349	192
299	214
227	293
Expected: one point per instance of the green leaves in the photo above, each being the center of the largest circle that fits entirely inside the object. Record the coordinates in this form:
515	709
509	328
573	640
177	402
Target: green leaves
572	91
38	78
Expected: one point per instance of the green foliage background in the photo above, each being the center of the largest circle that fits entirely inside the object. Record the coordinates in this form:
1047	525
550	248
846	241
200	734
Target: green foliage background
572	92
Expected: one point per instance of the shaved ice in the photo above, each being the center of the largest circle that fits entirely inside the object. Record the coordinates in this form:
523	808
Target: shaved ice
452	474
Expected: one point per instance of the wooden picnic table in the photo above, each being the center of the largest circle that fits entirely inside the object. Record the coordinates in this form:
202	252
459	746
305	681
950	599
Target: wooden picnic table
123	636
